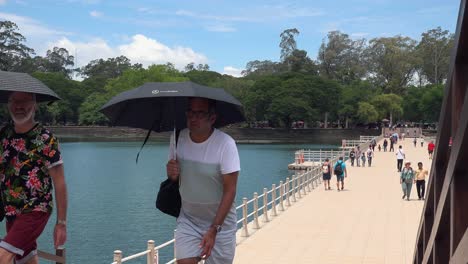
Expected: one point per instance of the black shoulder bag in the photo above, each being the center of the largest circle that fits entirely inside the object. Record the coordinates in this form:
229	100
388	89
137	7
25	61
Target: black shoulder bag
168	199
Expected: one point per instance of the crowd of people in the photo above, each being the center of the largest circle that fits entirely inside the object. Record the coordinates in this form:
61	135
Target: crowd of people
358	157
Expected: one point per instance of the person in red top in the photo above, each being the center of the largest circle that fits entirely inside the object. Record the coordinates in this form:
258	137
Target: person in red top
430	149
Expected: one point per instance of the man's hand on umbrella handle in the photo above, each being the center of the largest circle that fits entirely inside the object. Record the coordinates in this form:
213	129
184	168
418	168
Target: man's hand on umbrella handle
173	170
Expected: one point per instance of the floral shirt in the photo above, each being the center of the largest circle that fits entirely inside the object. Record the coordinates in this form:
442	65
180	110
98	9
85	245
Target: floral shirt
25	160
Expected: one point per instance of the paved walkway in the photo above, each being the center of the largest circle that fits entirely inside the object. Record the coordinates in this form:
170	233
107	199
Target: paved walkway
368	222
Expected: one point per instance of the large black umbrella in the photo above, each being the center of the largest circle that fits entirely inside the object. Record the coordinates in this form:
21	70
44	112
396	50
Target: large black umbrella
23	82
161	106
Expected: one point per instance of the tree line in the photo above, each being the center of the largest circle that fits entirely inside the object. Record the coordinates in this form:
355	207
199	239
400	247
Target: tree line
351	82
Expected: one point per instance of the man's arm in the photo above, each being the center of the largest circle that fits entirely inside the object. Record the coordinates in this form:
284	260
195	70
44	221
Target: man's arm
229	193
58	178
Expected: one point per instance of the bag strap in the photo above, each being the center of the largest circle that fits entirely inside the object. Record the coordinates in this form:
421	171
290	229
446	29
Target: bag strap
147	136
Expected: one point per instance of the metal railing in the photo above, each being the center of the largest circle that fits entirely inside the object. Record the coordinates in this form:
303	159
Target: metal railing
319	156
264	206
58	258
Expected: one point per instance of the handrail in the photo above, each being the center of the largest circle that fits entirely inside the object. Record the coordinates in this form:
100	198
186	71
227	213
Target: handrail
294	187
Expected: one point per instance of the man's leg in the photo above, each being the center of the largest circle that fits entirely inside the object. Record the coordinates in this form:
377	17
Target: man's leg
408	190
423	188
418	188
6	256
34	260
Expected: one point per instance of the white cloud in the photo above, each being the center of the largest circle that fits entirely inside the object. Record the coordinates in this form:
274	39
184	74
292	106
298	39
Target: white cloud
29	27
2	2
85	51
148	51
221	28
141	49
95	13
232	71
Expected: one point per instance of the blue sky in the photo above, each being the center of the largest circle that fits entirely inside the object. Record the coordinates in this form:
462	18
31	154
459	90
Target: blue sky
224	34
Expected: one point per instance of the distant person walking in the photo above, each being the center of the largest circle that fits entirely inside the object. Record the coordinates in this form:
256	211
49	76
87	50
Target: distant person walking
340	171
420	180
422	142
373	144
370	155
400	154
406	180
385	144
415	141
358	156
326	174
352	156
363	158
430	149
392	143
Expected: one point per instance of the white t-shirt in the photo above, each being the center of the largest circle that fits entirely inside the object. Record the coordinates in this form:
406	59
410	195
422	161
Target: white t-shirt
219	148
400	154
201	168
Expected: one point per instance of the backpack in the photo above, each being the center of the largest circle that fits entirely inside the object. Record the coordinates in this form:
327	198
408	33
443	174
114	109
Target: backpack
325	169
352	154
338	168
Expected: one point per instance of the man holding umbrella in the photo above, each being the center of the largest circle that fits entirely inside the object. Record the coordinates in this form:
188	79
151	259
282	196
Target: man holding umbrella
202	158
30	162
208	166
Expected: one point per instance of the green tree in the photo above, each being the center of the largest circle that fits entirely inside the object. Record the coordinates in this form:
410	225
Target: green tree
288	43
434	52
391	62
98	72
388	105
12	47
258	68
130	79
73	93
431	102
351	96
298	61
341	58
58	60
366	112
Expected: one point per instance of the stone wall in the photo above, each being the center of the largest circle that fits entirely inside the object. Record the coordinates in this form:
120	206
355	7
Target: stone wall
241	135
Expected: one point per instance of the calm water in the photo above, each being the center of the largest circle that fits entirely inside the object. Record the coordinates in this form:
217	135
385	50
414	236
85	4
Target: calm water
111	199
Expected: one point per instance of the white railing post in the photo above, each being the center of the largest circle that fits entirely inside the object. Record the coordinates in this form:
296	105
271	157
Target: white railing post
175	230
256	224
281	196
288	202
273	199
151	255
245	230
307	180
296	157
293	188
265	205
118	256
299	185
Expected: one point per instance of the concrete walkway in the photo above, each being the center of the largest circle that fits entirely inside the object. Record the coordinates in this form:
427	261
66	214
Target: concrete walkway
368	222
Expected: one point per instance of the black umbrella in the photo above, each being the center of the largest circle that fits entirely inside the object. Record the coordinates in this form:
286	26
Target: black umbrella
161	106
23	82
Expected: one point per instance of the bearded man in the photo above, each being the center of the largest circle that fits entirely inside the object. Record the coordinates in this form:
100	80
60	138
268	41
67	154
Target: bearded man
31	167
